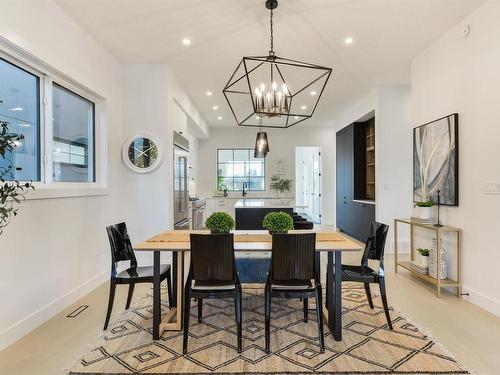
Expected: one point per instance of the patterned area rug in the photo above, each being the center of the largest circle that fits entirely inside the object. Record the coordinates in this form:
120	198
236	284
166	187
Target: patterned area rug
368	346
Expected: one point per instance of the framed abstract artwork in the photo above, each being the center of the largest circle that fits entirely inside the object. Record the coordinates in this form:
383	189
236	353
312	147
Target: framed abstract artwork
435	161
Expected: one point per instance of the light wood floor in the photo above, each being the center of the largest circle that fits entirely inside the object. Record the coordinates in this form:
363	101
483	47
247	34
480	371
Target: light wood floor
470	333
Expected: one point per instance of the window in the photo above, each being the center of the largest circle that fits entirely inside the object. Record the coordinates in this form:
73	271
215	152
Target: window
73	136
20	108
236	166
63	150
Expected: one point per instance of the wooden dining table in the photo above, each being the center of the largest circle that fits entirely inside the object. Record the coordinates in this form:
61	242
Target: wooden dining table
178	243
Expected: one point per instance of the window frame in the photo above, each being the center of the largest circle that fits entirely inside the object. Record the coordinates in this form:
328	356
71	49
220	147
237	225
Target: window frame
46	187
236	149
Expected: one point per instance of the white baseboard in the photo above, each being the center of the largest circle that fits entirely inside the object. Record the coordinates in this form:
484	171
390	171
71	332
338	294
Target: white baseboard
22	327
483	301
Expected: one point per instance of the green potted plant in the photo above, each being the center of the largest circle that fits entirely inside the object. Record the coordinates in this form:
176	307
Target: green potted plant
219	222
280	184
424	257
424	210
12	192
278	222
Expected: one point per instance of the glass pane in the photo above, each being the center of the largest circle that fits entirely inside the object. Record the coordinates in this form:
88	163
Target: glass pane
241	155
256	183
238	183
257	169
226	183
225	155
73	143
225	170
19	92
241	169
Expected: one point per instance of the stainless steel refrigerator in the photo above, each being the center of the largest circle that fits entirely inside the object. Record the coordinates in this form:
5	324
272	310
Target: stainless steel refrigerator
181	192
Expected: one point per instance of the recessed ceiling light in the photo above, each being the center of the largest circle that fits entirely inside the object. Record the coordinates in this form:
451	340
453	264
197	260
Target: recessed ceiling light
186	41
313	93
296	117
303	107
348	40
215	108
220	117
16	109
257	117
209	93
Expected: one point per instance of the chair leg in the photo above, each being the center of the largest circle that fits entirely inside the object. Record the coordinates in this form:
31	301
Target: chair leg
238	310
369	295
306	310
130	295
383	296
112	288
200	310
169	289
267	314
319	313
187	312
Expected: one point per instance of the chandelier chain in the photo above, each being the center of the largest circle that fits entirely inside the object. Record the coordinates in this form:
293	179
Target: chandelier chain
271	26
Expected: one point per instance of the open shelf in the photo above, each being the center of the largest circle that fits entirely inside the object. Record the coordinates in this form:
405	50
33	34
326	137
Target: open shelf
444	282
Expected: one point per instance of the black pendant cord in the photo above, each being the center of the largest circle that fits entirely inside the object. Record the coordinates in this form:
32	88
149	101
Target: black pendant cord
271	29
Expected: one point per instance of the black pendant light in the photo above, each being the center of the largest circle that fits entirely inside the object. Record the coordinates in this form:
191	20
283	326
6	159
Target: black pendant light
270	91
261	145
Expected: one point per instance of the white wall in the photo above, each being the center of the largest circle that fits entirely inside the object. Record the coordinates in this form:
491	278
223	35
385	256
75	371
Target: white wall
154	103
462	75
393	184
282	144
56	250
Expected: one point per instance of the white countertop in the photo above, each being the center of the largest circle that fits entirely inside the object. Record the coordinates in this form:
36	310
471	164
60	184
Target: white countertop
264	203
232	196
364	201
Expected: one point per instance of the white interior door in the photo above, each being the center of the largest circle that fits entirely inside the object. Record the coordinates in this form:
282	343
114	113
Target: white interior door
308	182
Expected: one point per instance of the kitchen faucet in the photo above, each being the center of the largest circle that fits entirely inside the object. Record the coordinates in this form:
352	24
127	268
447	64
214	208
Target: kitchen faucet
243	193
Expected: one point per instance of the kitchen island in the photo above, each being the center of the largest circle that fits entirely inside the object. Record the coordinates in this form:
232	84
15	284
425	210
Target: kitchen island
249	213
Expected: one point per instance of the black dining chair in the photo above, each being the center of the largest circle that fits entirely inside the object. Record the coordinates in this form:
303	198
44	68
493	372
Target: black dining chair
122	251
294	274
212	275
374	250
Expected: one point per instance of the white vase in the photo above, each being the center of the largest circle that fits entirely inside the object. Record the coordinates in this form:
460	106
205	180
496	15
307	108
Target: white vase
424	213
424	261
443	272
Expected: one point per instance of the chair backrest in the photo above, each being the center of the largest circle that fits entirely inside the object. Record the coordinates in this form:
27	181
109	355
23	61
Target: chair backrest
212	257
293	256
375	244
121	247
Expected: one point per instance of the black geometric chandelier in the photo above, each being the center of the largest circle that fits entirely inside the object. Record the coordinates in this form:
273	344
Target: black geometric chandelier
274	92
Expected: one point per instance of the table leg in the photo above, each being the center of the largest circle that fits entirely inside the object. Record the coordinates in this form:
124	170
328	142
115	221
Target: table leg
337	316
156	296
329	289
175	269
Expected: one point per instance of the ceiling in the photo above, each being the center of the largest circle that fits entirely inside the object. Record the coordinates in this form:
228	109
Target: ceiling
387	34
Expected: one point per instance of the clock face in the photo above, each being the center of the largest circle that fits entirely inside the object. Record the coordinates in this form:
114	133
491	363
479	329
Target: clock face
142	153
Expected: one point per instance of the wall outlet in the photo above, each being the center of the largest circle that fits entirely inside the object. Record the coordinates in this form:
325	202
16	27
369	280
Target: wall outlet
492	187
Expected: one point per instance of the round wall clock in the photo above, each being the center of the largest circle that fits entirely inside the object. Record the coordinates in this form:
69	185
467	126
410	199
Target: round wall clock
142	153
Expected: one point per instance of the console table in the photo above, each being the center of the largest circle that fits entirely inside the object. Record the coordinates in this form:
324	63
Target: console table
439	232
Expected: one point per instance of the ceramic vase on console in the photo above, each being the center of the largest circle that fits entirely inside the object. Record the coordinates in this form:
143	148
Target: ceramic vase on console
425	213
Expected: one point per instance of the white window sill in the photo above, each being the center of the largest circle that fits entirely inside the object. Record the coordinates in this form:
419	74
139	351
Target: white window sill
66	191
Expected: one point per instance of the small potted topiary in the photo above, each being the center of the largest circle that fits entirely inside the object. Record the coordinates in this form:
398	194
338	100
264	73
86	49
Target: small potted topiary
424	257
278	222
424	210
219	222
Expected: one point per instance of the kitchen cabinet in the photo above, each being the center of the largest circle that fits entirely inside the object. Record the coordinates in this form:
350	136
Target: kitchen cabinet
353	216
364	215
